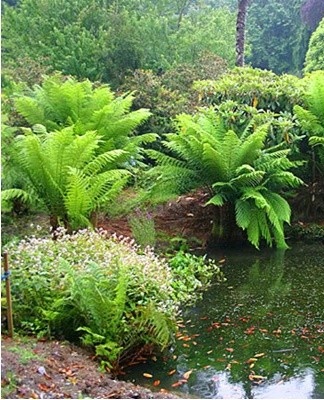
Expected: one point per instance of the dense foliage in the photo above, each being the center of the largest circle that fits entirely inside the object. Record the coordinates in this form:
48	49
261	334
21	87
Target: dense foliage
315	54
105	290
102	40
277	36
312	118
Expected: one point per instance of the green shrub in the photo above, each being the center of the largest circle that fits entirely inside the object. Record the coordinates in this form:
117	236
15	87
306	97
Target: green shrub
120	299
254	87
193	272
315	53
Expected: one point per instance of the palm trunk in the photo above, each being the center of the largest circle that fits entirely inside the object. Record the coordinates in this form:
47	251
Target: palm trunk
240	31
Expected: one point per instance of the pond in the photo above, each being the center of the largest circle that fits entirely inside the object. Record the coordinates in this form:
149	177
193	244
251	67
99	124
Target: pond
258	335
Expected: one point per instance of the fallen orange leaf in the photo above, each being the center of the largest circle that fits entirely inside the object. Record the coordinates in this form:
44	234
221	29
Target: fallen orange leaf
43	388
146	375
230	349
179	383
187	374
173	371
259	355
156	383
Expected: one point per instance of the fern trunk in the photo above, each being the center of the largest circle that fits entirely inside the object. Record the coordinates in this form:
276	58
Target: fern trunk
225	230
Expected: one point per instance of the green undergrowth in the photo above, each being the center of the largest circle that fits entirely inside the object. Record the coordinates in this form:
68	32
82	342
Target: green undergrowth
108	292
308	233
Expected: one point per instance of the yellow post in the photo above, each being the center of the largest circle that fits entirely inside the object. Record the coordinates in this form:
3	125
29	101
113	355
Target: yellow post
8	295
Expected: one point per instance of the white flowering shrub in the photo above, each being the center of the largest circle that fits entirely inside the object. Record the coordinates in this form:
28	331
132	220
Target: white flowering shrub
114	294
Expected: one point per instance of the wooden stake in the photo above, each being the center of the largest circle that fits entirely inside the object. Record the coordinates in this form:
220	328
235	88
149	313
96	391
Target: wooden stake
8	296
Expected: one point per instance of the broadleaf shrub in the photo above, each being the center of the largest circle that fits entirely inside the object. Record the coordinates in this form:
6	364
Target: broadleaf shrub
117	298
252	86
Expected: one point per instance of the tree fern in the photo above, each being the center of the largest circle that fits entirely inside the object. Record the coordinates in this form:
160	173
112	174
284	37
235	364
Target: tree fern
58	104
68	176
236	170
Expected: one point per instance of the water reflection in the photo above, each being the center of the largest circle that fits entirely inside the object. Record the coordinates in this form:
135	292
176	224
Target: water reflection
217	385
260	335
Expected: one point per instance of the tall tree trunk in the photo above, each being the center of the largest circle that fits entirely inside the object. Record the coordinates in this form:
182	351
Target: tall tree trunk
240	31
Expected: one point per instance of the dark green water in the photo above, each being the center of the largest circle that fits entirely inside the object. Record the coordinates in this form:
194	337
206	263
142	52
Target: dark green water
258	335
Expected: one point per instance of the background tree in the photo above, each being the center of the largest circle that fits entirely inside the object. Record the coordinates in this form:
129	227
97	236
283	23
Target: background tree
104	40
312	11
277	37
240	31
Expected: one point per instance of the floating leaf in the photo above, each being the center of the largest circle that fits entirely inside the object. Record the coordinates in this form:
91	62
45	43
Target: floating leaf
256	377
259	355
179	383
250	330
187	374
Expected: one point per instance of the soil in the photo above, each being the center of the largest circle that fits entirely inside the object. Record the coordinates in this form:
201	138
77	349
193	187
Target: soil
32	369
187	217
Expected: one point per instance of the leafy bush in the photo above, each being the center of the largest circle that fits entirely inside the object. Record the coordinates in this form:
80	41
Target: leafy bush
120	299
193	273
254	87
163	102
315	54
170	93
311	118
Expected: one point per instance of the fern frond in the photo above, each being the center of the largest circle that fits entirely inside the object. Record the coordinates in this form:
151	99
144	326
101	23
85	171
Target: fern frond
9	195
251	147
253	230
164	160
28	107
284	179
214	163
77	200
316	141
279	206
109	160
217	200
252	179
156	323
99	186
243	213
309	121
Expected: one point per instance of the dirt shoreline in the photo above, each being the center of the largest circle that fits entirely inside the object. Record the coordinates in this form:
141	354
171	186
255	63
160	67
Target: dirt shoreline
32	369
